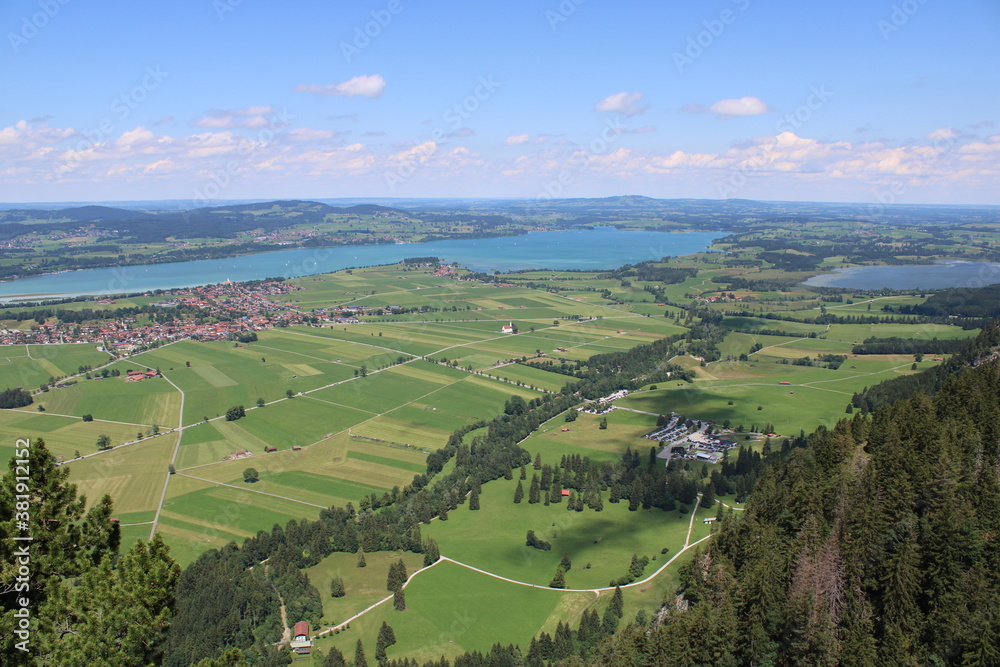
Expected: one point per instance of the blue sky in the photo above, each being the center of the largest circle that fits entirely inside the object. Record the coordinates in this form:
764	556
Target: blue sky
201	100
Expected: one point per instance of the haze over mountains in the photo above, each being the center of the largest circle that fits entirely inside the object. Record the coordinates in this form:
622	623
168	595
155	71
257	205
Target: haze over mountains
620	207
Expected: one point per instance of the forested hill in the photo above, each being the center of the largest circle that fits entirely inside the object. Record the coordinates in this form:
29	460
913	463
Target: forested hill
971	353
878	543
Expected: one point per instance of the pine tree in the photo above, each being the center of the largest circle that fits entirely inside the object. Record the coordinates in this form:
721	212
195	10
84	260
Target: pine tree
399	600
68	542
337	589
565	564
397	575
118	611
558	581
386	638
474	500
518	493
635	495
392	579
361	558
538	461
598	503
617	604
432	553
359	655
334	658
534	493
555	493
524	473
708	496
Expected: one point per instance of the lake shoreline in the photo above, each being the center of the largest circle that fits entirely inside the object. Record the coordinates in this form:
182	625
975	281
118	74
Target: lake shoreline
942	274
600	248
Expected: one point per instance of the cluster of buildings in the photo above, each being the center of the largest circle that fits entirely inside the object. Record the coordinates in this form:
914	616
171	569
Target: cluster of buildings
672	430
603	406
240	308
722	298
709	448
691	443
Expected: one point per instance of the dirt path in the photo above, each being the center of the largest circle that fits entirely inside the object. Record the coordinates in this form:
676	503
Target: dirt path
286	632
243	488
173	457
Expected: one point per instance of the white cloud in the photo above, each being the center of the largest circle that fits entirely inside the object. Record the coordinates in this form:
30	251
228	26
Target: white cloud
624	103
365	85
942	133
743	106
134	138
254	118
982	147
25	134
33	155
516	140
309	134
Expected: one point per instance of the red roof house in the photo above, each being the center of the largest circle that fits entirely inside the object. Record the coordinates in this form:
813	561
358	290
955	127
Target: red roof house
301	643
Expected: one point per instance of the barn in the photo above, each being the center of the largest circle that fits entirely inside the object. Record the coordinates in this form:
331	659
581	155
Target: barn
301	643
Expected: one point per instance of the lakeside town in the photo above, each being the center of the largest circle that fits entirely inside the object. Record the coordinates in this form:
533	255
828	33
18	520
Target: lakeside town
217	312
224	311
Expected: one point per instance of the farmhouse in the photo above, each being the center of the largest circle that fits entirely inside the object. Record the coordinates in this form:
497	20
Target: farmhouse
136	376
300	638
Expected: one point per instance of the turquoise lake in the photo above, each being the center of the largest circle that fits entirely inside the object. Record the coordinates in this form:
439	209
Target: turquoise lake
593	249
924	276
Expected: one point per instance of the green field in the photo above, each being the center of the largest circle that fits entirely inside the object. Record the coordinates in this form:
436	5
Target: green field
606	540
814	396
153	401
31	365
451	610
364	586
586	438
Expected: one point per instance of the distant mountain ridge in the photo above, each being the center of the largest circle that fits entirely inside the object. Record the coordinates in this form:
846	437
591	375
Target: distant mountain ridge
728	214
